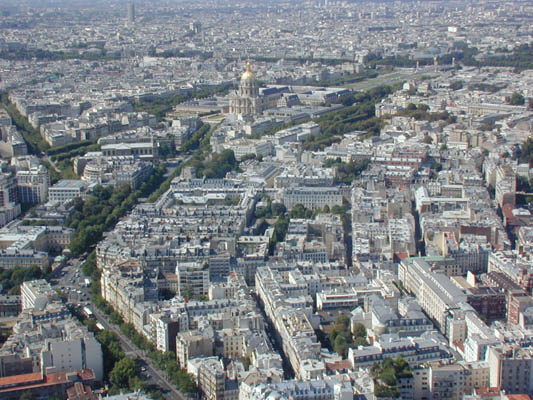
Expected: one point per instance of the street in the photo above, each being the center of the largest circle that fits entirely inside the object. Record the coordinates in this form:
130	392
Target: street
70	280
156	377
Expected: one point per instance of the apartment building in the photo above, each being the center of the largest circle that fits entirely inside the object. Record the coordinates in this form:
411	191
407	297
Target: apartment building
33	184
511	368
434	291
65	190
312	197
37	294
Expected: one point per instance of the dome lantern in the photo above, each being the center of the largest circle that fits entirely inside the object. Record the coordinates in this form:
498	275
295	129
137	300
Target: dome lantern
248	75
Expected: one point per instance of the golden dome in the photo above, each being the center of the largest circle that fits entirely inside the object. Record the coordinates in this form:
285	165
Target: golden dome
248	75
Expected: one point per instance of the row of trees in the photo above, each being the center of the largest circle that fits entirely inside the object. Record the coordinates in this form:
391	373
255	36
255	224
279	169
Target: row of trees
193	142
165	361
40	54
346	79
11	279
104	207
486	87
520	58
120	372
36	144
358	115
199	142
160	106
69	147
76	152
300	212
401	61
421	112
92	216
461	52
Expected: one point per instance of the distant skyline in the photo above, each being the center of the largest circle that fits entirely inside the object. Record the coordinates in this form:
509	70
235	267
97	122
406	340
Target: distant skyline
111	3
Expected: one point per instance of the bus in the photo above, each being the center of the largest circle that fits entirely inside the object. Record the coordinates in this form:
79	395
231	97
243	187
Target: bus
88	313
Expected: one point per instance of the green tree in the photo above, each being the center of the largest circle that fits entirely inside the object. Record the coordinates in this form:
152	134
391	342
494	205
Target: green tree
340	336
122	372
299	211
423	107
456	85
359	330
111	349
218	165
517	99
526	152
278	209
341	345
188	292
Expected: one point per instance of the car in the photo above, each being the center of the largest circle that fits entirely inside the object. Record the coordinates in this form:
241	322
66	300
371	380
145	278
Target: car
143	369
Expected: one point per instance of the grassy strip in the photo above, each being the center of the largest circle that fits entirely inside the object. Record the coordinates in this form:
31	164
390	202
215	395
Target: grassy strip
162	105
347	79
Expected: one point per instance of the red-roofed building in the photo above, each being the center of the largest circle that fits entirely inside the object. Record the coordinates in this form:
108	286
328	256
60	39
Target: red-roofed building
401	256
518	397
495	393
81	392
43	385
488	393
129	264
339	366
